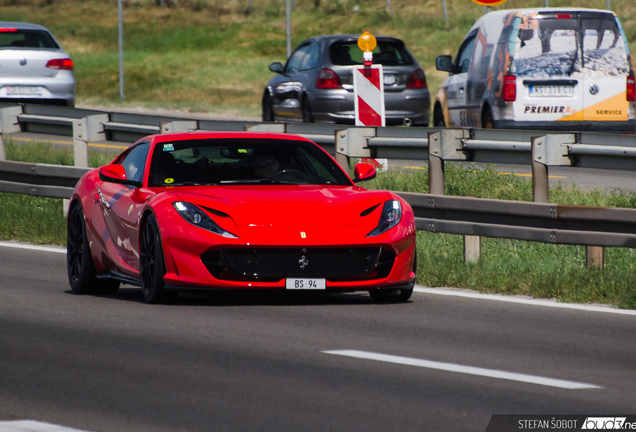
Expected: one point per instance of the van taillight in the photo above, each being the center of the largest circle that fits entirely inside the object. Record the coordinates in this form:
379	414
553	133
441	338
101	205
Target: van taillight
510	89
631	89
417	80
564	16
327	79
60	64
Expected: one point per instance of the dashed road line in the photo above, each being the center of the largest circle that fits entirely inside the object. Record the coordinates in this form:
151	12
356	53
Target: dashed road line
470	370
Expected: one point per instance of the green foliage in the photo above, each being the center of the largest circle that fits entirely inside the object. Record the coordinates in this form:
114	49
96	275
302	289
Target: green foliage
31	219
45	152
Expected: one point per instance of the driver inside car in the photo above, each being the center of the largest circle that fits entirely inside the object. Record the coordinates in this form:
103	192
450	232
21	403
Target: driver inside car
265	166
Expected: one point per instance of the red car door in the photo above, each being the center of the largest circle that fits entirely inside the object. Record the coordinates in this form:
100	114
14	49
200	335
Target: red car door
121	205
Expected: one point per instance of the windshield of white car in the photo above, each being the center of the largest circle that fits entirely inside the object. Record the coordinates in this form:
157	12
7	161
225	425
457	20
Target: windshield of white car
236	161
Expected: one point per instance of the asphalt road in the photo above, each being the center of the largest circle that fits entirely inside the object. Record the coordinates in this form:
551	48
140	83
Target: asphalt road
256	362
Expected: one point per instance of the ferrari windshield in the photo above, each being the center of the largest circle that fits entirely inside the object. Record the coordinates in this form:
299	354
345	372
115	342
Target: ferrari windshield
242	161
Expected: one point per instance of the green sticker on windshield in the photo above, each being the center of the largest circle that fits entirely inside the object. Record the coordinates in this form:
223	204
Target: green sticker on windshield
169	180
242	150
168	147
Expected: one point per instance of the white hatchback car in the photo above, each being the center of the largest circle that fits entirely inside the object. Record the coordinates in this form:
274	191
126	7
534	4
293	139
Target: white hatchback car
33	66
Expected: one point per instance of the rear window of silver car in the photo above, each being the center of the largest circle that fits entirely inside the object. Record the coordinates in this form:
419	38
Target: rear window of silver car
385	53
17	38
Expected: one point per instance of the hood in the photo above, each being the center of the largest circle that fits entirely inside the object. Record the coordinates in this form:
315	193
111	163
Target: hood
280	205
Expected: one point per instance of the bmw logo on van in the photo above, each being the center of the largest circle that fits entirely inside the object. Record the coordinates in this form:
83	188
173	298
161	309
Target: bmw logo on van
593	89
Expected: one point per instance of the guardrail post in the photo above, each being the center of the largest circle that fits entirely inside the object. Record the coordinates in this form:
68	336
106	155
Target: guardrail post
352	142
178	126
436	179
553	150
595	257
448	145
548	150
8	124
540	181
87	129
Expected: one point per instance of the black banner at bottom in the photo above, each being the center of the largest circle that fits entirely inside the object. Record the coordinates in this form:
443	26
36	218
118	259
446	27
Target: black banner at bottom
564	423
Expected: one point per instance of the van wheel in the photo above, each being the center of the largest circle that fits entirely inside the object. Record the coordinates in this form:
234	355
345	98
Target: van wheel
487	121
308	117
268	110
438	117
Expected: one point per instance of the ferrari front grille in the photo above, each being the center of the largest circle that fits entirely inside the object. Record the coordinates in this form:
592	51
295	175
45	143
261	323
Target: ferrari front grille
270	264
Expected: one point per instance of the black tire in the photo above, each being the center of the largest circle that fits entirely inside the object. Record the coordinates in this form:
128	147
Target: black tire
82	275
438	117
487	122
152	267
268	110
308	117
394	296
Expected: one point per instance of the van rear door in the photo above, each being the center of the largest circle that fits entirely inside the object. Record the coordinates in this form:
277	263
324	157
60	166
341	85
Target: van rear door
605	67
548	69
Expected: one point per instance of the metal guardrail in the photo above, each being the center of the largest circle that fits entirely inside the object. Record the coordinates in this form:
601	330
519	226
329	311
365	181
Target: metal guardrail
546	223
538	221
44	180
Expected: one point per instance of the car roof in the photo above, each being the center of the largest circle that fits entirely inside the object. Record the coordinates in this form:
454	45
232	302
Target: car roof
333	38
180	136
21	25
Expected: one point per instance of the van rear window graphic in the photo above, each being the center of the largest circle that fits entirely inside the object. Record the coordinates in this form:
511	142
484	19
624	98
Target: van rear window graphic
570	47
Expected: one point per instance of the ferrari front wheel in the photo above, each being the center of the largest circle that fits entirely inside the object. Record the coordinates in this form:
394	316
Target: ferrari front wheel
391	296
80	267
395	295
151	263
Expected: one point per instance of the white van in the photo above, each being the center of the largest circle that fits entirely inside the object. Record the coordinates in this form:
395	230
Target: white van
549	69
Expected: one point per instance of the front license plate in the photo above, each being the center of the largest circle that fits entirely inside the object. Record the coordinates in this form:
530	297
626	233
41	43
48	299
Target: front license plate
551	91
306	284
23	90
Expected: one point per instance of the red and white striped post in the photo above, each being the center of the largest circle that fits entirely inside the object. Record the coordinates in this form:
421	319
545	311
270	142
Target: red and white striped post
368	85
368	90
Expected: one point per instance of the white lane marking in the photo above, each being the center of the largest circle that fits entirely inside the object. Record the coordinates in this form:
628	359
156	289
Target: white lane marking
33	426
471	370
33	247
526	301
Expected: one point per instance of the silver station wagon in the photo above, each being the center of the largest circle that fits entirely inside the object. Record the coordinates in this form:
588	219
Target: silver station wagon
316	83
33	66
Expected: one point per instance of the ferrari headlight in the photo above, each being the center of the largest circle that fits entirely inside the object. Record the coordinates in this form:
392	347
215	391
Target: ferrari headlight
197	217
390	217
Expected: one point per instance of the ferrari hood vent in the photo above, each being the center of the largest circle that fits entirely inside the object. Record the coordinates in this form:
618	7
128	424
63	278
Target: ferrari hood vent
369	210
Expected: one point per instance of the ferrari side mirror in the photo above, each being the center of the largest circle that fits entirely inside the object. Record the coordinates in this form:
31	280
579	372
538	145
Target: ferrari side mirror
115	173
363	172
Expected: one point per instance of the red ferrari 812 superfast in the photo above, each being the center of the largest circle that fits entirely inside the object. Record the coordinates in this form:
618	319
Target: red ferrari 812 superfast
236	211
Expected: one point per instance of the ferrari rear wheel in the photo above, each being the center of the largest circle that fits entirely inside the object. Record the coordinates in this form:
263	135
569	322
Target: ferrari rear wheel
79	261
151	263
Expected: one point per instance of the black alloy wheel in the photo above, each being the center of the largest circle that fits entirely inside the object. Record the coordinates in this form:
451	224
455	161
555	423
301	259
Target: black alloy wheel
438	117
397	295
79	261
151	263
308	117
268	110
